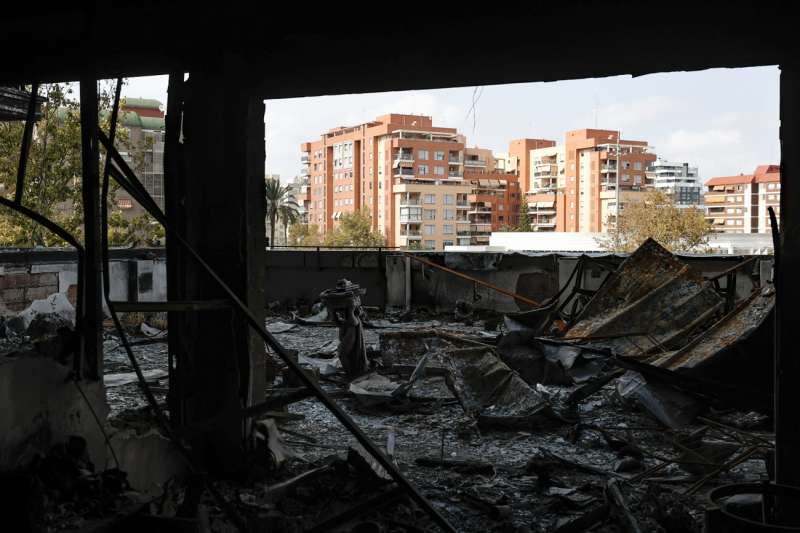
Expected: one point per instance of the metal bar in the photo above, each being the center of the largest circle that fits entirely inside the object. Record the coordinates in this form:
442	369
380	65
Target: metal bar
734	268
473	280
130	180
26	144
92	334
178	306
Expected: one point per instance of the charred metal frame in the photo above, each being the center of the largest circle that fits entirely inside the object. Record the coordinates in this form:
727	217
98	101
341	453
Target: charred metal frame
127	179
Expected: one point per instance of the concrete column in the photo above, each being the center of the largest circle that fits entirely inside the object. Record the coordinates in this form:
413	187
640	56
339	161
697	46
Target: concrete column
220	208
787	363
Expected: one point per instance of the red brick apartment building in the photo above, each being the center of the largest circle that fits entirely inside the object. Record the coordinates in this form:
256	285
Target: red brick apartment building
420	184
738	204
573	185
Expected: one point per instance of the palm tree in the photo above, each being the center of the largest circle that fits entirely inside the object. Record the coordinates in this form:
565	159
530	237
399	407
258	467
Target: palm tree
278	201
289	214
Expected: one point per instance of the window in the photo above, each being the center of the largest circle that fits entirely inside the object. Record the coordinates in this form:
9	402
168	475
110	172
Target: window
448	229
501	207
637	179
449	199
438	156
422	154
637	165
430	245
422	169
124	203
449	214
447	243
429	214
429	199
439	171
429	229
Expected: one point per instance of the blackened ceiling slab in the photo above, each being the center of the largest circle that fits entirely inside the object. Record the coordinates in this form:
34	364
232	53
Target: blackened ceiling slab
307	49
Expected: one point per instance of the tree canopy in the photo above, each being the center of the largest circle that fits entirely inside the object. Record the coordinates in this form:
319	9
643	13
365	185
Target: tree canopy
679	230
53	174
354	229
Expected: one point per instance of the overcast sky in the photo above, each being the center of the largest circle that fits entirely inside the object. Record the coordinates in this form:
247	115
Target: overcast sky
723	120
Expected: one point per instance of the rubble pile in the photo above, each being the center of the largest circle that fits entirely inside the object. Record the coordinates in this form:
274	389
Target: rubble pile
617	412
61	490
609	410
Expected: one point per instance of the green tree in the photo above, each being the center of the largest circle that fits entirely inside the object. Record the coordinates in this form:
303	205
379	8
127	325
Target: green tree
304	235
524	218
354	229
53	173
279	206
677	229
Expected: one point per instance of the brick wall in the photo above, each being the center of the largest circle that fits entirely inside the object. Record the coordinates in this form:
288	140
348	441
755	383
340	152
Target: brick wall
19	289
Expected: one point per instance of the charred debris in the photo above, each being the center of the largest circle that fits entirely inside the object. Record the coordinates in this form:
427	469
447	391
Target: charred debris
616	409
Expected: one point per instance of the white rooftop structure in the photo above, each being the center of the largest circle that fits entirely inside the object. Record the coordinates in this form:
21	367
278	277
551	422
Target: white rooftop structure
566	242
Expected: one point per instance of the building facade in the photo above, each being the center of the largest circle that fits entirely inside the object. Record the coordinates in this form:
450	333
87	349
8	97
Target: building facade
739	204
679	181
573	186
415	180
144	152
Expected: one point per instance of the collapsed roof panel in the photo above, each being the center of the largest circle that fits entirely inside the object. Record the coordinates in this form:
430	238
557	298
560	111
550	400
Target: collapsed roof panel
653	302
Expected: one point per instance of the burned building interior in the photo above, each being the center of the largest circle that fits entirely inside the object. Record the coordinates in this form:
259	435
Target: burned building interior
647	392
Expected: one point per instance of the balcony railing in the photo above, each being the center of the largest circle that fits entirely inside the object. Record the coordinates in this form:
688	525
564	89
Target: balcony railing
410	201
304	171
412	234
455	175
475	162
410	218
304	159
403	173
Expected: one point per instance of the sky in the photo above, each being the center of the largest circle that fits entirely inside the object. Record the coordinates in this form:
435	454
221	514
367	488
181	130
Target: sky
725	121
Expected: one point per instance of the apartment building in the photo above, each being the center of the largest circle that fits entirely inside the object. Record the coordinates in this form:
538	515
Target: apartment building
679	181
420	184
573	186
739	204
144	152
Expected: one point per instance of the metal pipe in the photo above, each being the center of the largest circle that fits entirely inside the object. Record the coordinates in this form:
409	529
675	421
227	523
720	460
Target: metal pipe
26	144
443	268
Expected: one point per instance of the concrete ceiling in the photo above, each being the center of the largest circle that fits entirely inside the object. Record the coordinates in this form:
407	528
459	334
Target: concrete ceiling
303	49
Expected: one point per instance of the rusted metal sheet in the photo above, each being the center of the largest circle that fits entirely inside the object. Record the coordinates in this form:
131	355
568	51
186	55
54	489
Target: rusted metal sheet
737	349
652	304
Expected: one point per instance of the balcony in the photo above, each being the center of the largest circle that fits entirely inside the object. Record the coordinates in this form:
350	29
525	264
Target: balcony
608	168
304	171
454	160
407	173
305	159
474	162
409	201
477	210
403	158
455	175
412	234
